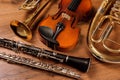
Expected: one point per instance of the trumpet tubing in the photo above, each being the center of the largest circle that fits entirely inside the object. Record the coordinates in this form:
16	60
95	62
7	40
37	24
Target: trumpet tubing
102	38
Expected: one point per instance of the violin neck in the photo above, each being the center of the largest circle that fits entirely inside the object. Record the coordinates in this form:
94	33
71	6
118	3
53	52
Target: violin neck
74	5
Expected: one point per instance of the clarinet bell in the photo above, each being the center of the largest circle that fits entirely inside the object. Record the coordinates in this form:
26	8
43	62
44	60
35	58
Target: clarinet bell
81	64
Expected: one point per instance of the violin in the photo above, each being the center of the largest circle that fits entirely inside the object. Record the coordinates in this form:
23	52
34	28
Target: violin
59	30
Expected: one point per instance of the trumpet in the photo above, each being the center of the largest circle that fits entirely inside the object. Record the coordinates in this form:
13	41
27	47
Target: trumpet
24	29
102	38
29	4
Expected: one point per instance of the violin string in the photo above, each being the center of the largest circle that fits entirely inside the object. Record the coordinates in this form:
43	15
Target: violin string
67	10
74	2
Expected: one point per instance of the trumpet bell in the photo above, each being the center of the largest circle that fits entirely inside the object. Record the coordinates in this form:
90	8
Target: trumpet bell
103	34
21	29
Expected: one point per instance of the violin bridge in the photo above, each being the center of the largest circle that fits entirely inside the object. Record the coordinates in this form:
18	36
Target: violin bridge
64	15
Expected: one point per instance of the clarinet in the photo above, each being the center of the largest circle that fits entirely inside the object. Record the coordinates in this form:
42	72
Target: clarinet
39	65
81	64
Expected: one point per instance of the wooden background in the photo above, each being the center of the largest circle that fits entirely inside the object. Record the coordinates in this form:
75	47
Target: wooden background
9	11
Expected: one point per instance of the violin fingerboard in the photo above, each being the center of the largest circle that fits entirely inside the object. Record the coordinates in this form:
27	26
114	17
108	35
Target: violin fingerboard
73	5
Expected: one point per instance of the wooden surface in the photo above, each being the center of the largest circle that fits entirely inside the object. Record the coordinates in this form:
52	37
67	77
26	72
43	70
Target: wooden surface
97	71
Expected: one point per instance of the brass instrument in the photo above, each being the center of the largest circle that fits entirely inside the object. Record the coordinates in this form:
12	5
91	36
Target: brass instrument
103	35
39	65
29	4
24	29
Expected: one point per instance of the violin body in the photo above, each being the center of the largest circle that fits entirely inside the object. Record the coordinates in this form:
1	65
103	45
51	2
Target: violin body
65	41
64	21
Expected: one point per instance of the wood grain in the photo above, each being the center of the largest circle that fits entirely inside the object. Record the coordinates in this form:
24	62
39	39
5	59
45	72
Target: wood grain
97	71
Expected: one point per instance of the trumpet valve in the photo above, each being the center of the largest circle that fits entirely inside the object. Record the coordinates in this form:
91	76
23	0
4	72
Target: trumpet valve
29	4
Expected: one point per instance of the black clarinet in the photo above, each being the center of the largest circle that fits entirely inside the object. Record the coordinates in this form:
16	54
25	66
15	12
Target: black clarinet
81	64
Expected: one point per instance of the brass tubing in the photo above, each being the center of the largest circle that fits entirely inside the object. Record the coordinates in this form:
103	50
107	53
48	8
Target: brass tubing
105	47
29	4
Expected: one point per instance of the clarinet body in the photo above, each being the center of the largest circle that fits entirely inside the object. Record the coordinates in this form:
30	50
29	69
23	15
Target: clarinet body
81	64
39	65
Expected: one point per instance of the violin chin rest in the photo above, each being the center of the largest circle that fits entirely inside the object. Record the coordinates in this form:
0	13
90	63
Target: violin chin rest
47	33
